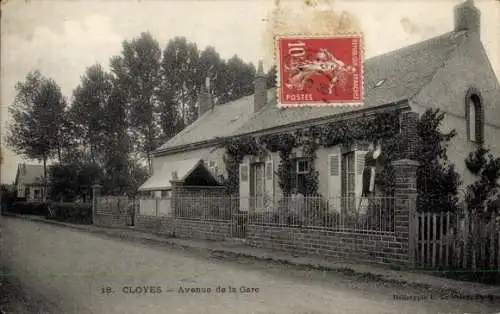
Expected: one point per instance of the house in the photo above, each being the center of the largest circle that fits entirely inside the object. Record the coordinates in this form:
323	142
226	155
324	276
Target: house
29	182
198	146
450	72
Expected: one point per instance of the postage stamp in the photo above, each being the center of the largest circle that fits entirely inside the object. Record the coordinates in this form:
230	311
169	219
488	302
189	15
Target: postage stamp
318	70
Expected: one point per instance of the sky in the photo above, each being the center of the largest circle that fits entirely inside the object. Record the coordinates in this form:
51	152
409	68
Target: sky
61	38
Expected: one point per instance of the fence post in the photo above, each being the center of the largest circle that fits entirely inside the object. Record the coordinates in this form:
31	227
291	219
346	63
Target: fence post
96	193
405	222
175	202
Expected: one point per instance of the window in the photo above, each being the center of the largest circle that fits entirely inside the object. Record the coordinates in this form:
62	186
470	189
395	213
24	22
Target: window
27	192
302	166
165	193
474	117
298	175
37	194
379	83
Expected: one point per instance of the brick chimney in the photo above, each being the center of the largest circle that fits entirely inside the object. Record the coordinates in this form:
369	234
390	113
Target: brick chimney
467	17
205	98
260	89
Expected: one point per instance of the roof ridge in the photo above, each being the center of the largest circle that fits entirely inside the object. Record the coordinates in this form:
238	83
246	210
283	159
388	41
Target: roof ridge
409	47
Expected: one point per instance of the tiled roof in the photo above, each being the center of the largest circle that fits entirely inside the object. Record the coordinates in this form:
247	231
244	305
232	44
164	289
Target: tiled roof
29	174
388	78
221	121
161	179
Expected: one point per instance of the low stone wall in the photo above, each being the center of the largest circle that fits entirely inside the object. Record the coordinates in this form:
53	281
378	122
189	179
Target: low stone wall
112	220
113	211
184	228
153	224
379	248
198	229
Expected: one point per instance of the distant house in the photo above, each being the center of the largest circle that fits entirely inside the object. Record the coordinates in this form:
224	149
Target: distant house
450	72
29	182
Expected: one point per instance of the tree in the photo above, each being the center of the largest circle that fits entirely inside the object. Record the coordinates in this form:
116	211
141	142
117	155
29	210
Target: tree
63	184
237	80
88	110
137	72
168	112
211	65
37	112
180	74
482	195
437	179
271	77
118	146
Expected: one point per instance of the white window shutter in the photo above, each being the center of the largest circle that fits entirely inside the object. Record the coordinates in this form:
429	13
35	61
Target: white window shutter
269	176
244	185
334	179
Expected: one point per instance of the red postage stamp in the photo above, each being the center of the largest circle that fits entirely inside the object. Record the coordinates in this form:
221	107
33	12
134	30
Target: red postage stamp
315	70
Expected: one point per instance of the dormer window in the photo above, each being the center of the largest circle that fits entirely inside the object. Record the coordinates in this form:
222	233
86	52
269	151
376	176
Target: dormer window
379	83
474	112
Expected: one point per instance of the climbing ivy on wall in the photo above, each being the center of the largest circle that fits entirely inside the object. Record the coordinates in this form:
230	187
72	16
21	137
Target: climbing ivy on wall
366	128
282	143
236	150
381	126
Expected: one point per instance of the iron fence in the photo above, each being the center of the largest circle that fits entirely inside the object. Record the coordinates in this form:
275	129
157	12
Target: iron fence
342	213
190	207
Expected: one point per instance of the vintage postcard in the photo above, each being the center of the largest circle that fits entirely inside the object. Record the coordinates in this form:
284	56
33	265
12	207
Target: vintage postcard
253	157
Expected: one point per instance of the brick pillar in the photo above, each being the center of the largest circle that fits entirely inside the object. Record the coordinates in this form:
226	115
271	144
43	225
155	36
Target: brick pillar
409	120
405	195
96	193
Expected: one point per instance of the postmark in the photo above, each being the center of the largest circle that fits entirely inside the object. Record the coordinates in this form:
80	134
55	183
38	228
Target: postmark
319	70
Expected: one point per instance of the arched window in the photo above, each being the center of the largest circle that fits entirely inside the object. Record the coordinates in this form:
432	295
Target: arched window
475	117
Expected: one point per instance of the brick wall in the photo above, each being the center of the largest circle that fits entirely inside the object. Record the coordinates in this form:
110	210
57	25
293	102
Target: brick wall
153	224
184	228
190	198
381	248
199	229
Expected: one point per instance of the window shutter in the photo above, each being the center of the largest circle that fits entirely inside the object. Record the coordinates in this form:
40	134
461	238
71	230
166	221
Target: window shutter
334	165
244	185
269	176
334	182
244	173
